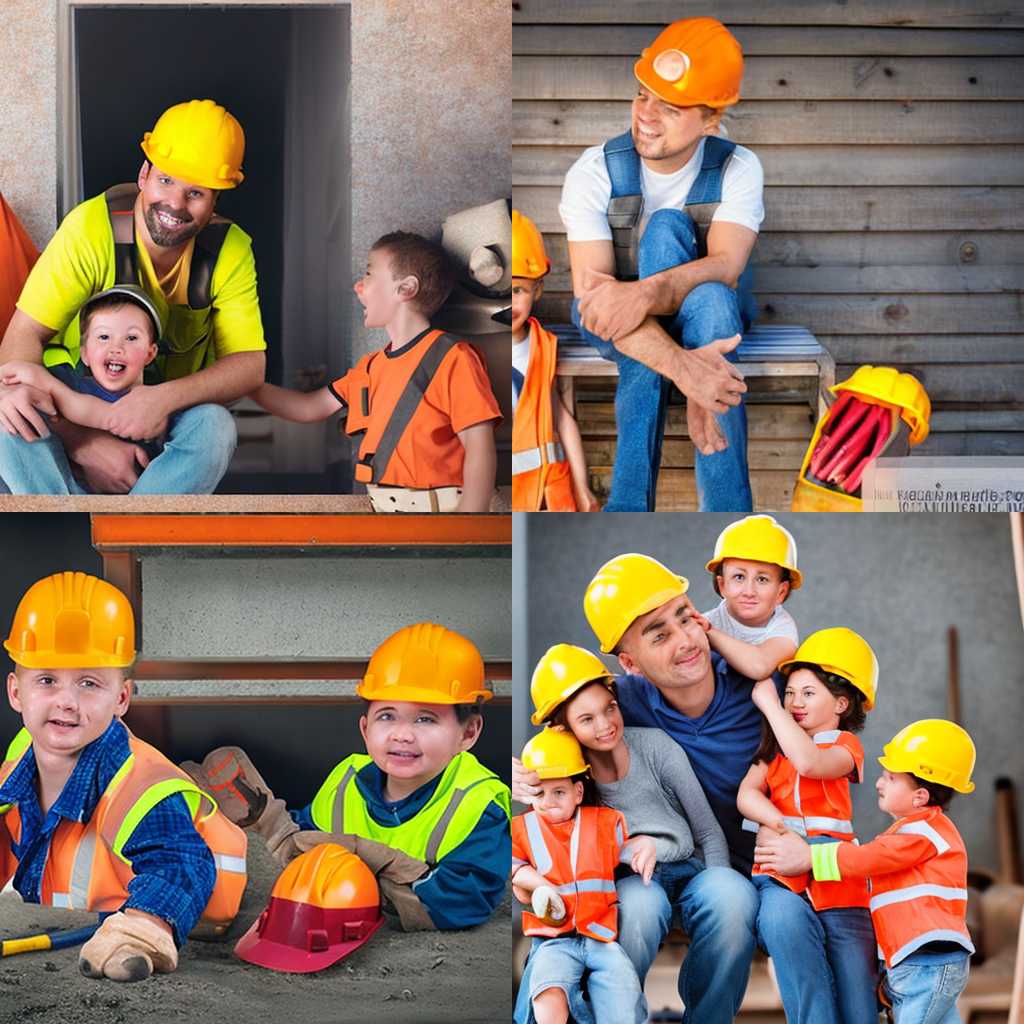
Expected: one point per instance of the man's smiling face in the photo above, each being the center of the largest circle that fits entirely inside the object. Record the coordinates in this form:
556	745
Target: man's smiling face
667	646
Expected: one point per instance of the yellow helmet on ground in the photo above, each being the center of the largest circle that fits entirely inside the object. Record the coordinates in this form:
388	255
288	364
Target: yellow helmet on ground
554	754
758	539
844	653
198	142
562	671
623	589
934	750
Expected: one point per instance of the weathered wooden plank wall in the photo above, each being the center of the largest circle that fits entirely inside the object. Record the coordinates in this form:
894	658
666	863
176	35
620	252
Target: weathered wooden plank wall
892	136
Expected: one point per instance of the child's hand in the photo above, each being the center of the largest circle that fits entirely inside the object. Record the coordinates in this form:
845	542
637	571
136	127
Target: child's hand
764	694
548	905
701	620
586	500
643	857
19	371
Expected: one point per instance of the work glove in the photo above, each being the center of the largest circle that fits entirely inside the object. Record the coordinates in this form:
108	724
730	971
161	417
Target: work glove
128	947
548	905
232	780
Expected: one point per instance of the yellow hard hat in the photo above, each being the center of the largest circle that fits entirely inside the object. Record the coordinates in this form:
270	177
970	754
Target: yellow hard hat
199	142
562	671
693	62
72	620
625	588
884	385
554	754
843	653
528	256
758	539
934	750
428	664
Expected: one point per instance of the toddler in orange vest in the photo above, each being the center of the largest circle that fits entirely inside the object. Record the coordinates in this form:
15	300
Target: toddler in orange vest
92	818
800	781
549	470
420	412
564	855
917	867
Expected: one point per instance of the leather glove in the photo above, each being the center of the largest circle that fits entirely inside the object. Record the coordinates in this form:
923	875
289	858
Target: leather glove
232	780
128	947
548	905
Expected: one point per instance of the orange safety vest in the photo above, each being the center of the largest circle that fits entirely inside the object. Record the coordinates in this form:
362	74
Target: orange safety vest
817	807
540	473
85	867
926	902
579	860
18	254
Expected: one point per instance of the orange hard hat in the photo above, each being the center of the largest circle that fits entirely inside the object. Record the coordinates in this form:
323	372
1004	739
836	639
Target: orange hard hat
323	906
72	620
693	62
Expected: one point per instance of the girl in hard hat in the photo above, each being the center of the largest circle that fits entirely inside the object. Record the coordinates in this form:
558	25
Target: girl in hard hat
917	867
641	772
800	781
564	856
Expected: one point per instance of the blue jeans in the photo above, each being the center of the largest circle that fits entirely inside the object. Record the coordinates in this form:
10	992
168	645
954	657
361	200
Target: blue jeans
613	986
924	987
711	311
199	444
825	962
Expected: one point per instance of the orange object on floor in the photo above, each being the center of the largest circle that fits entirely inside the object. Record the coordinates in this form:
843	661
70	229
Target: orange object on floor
18	254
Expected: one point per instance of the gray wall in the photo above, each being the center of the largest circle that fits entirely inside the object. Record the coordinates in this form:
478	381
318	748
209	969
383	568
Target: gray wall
900	581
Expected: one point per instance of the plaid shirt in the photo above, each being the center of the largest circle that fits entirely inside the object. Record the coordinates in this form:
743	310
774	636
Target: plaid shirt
174	868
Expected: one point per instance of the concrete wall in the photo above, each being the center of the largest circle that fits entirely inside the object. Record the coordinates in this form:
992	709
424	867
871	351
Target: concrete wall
900	581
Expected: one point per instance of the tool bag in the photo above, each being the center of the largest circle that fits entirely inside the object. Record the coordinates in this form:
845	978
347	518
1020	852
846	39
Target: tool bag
878	411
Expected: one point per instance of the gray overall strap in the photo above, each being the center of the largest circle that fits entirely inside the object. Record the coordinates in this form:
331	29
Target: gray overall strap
204	259
407	404
705	195
626	204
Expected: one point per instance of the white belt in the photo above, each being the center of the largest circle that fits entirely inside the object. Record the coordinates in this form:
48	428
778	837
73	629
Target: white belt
412	499
533	458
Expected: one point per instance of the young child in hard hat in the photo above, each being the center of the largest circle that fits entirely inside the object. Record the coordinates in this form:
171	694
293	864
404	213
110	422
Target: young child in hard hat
549	469
92	818
754	571
421	408
564	856
120	329
917	868
427	817
800	780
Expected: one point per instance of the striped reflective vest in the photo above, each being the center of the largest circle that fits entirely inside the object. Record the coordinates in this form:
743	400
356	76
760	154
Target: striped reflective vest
541	478
579	859
465	790
815	808
86	868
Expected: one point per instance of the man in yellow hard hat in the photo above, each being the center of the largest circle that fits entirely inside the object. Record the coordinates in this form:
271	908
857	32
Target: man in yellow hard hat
660	223
160	233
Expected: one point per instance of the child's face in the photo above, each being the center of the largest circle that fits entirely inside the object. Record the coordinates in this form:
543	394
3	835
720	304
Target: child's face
118	346
558	799
380	292
525	292
414	743
65	709
810	703
899	794
594	718
752	590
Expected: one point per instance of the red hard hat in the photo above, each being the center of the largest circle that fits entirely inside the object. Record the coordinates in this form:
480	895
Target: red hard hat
323	906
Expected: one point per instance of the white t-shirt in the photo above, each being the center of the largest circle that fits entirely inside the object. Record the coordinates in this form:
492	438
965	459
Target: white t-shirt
520	362
780	624
587	189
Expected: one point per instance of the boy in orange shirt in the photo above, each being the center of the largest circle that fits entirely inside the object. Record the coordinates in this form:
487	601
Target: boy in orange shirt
421	409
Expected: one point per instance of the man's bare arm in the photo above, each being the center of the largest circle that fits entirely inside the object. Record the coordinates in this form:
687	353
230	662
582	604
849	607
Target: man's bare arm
228	379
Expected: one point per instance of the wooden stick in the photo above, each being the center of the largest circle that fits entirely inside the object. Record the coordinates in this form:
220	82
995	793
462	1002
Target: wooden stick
1007	832
1017	533
953	682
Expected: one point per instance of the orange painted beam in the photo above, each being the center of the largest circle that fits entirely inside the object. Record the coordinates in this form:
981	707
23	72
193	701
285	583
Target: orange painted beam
271	530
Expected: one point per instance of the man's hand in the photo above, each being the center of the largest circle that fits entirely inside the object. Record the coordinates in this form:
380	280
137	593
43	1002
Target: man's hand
140	415
20	371
110	466
20	409
525	785
704	431
129	946
787	854
708	378
765	695
612	309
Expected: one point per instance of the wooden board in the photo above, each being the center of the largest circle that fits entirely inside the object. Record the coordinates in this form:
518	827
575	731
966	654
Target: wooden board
766	422
677	453
677	489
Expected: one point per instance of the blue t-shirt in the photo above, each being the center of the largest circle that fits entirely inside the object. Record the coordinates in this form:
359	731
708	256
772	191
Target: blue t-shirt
720	743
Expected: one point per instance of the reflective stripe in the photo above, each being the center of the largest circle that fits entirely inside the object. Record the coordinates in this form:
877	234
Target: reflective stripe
81	871
922	828
574	842
912	892
618	833
796	824
829	825
538	847
533	458
225	862
749	826
61	899
438	833
338	810
938	935
826	737
599	929
587	885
